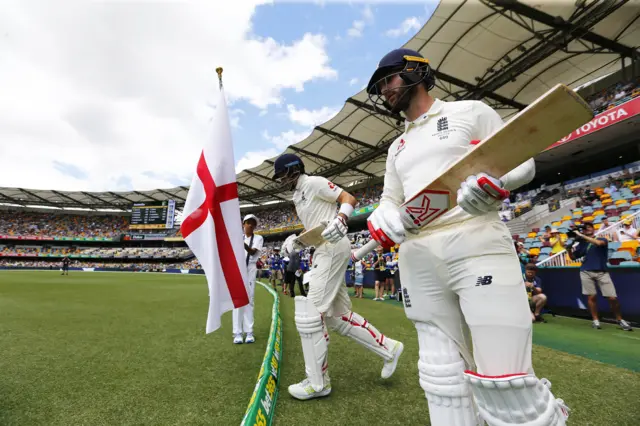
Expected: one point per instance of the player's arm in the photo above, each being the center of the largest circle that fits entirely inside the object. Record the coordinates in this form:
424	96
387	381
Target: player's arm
385	223
483	193
329	191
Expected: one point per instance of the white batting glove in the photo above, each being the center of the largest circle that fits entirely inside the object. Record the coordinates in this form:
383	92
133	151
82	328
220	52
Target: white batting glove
385	226
336	230
289	245
480	194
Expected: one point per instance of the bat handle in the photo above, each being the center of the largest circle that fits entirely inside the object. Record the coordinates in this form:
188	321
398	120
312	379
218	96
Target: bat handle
364	250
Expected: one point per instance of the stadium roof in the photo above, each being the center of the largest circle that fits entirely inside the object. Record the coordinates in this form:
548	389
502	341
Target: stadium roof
505	53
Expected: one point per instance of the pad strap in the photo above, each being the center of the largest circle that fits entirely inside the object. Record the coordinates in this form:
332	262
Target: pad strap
516	399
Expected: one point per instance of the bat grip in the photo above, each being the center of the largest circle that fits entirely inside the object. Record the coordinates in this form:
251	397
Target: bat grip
364	250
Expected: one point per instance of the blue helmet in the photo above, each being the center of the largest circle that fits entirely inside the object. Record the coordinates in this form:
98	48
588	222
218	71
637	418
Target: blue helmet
412	67
286	170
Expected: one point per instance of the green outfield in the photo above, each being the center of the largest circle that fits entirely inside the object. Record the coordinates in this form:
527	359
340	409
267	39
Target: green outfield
125	349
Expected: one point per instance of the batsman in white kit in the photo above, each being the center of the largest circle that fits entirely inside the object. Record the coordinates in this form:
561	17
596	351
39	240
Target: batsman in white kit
243	317
327	303
461	274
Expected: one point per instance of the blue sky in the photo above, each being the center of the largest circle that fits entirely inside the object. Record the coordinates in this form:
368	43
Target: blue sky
358	35
116	96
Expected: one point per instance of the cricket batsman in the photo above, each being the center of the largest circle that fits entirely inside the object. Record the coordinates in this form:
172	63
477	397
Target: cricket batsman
327	303
461	272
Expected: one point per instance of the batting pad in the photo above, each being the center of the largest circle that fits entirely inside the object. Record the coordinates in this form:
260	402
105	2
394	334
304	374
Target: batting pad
441	369
359	329
315	340
516	399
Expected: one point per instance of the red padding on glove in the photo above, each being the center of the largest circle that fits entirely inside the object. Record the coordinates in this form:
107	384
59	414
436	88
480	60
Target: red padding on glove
380	236
492	189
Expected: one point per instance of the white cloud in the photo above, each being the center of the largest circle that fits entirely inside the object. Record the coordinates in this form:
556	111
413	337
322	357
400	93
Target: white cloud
119	88
357	27
311	118
409	24
255	158
284	139
353	81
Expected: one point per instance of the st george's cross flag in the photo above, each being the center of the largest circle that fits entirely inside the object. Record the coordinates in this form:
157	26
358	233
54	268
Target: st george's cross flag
211	224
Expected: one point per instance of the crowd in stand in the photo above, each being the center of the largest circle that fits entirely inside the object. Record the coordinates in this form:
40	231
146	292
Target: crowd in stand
614	95
109	252
22	224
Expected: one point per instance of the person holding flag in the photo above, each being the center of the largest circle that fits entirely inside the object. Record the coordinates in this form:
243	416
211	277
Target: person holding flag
211	224
243	317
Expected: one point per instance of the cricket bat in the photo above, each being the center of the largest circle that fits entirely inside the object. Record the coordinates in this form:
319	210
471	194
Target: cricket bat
544	122
312	237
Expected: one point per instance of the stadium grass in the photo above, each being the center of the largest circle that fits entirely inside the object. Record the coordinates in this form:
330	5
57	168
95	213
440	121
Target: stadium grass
119	348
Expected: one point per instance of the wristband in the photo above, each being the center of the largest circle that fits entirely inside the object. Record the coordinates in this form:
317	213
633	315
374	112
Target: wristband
346	209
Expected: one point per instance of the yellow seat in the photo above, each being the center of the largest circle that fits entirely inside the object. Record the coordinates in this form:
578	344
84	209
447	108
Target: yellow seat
566	218
598	213
607	202
558	223
597	226
577	222
587	219
633	187
620	202
626	214
635	202
630	244
532	235
534	251
603	196
599	191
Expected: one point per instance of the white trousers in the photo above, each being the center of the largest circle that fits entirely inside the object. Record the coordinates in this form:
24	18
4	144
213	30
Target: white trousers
466	280
327	288
243	317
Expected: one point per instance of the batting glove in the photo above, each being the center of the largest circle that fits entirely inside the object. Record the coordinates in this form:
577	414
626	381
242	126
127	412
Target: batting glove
385	226
480	194
336	230
289	245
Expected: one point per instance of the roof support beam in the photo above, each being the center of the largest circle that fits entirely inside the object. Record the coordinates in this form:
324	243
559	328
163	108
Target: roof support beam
47	202
60	194
12	200
328	160
567	27
368	107
95	197
128	200
148	196
170	194
479	91
343	137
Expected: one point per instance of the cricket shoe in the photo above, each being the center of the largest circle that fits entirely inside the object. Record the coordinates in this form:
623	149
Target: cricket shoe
237	339
390	366
304	390
625	325
596	324
249	338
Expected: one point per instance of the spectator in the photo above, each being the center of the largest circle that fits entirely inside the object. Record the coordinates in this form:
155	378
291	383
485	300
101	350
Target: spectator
594	271
294	273
359	278
533	285
556	241
627	232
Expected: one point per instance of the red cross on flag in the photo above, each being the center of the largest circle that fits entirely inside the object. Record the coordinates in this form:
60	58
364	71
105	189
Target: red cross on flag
211	226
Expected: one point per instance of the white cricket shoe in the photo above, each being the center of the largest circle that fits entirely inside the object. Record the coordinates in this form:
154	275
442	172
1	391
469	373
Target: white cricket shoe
249	338
304	390
237	339
390	366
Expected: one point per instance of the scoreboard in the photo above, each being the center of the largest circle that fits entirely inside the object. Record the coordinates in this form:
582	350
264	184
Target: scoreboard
154	215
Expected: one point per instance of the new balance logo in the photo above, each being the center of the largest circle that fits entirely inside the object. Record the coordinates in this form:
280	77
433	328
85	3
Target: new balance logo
443	124
486	280
405	298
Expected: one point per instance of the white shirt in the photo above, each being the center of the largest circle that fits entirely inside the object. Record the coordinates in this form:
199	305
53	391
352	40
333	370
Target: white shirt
315	199
430	145
627	234
258	243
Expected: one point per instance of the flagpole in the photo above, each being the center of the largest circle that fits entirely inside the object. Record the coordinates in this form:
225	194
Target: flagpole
219	71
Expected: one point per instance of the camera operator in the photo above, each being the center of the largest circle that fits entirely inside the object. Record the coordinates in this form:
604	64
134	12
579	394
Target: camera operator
594	271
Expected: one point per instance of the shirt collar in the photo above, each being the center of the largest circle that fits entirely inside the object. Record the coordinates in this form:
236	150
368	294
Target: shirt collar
435	109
